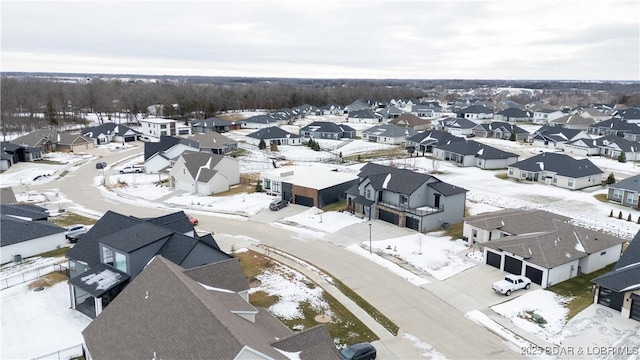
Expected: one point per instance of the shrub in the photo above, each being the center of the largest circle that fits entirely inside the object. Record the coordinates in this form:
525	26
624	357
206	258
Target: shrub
611	213
622	158
262	145
259	186
620	215
610	179
629	217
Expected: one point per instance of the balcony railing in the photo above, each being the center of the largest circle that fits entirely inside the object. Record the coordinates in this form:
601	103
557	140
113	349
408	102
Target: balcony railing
422	211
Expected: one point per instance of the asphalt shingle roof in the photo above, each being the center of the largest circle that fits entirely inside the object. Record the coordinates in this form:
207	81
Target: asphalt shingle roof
99	279
327	127
272	132
434	137
516	221
165	143
14	230
29	211
400	180
561	164
390	131
480	150
631	183
625	275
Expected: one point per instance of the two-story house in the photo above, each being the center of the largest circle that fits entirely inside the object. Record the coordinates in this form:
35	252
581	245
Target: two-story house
158	127
405	198
204	173
118	247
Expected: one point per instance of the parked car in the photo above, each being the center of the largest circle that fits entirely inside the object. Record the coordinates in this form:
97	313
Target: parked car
73	231
359	351
277	204
101	165
511	283
132	169
192	220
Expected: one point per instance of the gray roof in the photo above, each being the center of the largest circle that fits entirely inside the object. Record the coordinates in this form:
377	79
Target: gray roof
271	133
632	113
555	134
573	119
108	129
261	119
561	164
625	275
476	109
457	123
213	122
503	126
513	112
328	127
516	221
14	230
166	314
195	160
400	180
624	144
631	183
225	274
7	196
98	280
165	143
392	131
363	114
28	211
446	189
135	237
314	343
212	140
477	149
434	137
556	245
616	124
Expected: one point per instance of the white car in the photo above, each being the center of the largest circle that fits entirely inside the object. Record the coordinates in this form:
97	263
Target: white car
511	283
132	169
73	231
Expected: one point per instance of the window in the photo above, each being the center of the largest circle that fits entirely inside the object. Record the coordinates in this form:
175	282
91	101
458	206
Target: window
107	256
603	253
555	179
267	183
632	198
474	233
403	200
570	183
163	126
368	196
121	262
275	186
510	171
618	193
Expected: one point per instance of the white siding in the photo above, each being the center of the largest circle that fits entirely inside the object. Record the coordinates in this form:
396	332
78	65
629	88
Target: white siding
562	272
600	259
155	164
32	247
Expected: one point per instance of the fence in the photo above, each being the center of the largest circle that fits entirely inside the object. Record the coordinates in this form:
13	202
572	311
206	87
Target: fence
72	352
33	275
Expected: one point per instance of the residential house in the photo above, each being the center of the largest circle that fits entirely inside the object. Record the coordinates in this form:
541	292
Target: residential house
118	247
275	135
158	127
366	116
110	132
626	192
308	186
613	146
472	153
327	130
412	121
594	114
204	173
633	135
427	140
455	126
557	169
168	312
49	140
285	115
390	112
554	137
475	112
544	116
619	289
357	105
158	156
427	110
501	130
260	122
514	115
330	109
630	114
405	198
214	124
388	134
306	110
550	253
214	143
573	121
11	153
582	147
25	232
613	126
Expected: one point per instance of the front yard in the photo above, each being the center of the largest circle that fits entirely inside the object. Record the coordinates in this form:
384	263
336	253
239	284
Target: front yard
580	291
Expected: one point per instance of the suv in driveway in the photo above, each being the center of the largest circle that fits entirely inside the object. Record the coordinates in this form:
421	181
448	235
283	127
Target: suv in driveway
277	204
73	231
359	351
132	169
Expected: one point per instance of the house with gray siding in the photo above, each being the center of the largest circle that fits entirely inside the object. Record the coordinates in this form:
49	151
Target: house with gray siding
625	192
501	130
273	134
425	141
613	126
214	143
118	247
405	198
388	134
513	114
327	130
558	170
111	132
554	137
365	116
473	153
214	124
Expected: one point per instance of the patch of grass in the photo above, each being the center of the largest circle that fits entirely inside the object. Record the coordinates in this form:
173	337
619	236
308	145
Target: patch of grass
601	197
238	189
336	206
48	280
397	152
230	116
344	326
503	176
62	174
50	162
70	218
238	153
579	289
61	252
455	230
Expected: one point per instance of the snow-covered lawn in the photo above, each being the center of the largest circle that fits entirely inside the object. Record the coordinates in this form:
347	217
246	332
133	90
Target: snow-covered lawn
23	174
330	221
544	303
432	253
240	204
405	274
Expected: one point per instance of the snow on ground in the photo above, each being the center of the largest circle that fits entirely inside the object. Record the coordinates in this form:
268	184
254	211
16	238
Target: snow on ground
434	254
28	264
476	208
24	174
37	323
544	303
240	204
330	221
482	319
429	351
412	278
360	147
291	289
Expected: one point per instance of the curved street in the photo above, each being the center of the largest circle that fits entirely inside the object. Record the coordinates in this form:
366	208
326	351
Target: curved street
416	310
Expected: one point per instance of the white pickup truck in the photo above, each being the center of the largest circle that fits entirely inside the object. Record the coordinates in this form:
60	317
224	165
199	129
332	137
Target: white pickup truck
511	283
132	169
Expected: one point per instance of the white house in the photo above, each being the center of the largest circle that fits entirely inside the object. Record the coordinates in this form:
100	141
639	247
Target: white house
158	127
365	116
388	134
275	135
161	155
544	116
204	173
22	237
558	170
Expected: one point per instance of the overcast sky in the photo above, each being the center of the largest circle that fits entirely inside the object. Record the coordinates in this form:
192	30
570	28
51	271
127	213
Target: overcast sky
444	39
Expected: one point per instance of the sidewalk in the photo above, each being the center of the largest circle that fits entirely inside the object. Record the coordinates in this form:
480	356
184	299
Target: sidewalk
318	278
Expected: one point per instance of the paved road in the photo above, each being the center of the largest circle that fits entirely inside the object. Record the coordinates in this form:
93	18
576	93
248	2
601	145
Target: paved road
415	310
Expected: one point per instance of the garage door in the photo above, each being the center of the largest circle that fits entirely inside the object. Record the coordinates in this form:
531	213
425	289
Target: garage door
610	298
493	259
512	265
389	217
412	223
304	200
130	138
635	307
534	274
